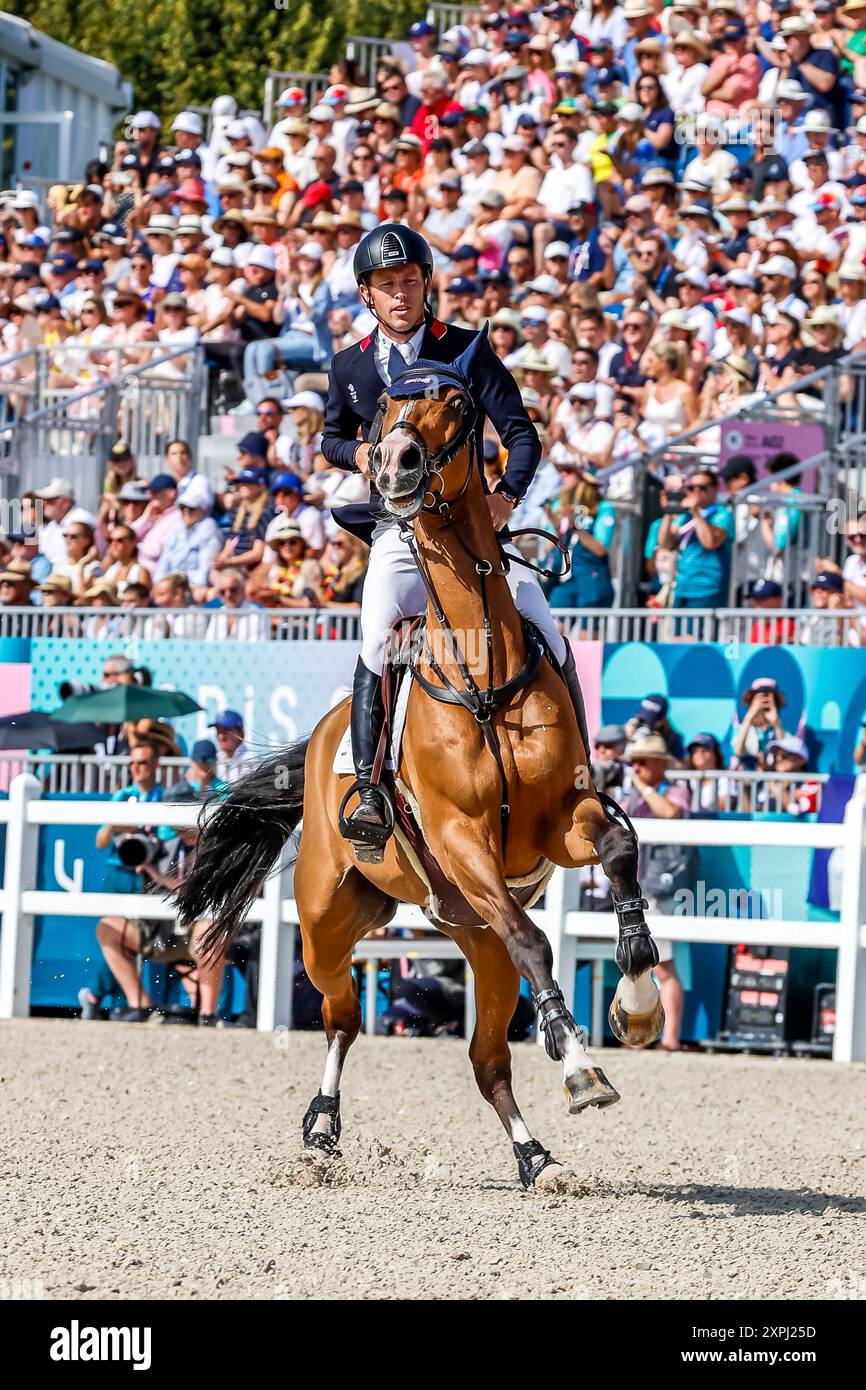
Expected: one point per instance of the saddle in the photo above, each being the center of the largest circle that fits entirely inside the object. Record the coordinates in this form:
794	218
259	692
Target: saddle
447	903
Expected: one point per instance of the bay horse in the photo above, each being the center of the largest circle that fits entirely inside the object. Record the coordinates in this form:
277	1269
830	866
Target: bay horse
492	757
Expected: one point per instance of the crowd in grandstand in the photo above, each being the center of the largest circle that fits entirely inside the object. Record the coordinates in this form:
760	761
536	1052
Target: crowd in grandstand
659	212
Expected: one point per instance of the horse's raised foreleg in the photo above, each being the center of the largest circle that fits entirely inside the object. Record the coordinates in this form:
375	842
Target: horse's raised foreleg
334	915
497	986
482	883
636	1014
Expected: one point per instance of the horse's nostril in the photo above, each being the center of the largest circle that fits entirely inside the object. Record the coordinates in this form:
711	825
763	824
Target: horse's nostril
411	458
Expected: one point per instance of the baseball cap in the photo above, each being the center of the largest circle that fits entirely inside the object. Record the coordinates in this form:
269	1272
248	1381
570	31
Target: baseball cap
779	265
229	719
462	284
765	588
611	733
134	492
161	483
465	252
305	400
696	277
653	708
203	751
287	482
545	284
187	121
58	487
252	475
533	313
197	493
734	29
145	120
790	744
829	581
556	250
704	741
421	29
263	256
60	264
254	442
741	278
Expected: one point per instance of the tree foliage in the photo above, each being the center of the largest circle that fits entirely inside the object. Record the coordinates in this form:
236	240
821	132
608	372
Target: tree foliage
179	52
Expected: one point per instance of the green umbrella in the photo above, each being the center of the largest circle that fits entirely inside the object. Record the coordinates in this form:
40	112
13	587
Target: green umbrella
121	703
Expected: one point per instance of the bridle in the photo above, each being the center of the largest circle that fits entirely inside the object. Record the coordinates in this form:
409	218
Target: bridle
481	703
433	465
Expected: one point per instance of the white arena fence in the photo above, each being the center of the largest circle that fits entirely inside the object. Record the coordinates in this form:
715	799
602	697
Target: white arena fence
573	935
91	774
776	627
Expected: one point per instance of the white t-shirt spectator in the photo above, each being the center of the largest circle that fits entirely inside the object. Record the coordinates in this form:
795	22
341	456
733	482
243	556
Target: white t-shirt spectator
564	186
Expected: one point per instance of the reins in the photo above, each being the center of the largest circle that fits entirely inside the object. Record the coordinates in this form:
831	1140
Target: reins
481	703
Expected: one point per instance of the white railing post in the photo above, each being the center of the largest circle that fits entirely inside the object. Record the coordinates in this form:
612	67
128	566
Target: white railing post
552	922
849	1044
16	938
276	957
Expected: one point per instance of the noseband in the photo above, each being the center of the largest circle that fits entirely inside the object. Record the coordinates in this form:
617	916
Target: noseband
433	465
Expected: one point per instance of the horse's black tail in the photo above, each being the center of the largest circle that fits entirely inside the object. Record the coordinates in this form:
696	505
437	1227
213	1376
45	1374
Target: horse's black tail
242	836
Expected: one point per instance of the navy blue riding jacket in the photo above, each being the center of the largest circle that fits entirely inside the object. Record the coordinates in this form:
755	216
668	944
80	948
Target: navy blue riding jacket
354	388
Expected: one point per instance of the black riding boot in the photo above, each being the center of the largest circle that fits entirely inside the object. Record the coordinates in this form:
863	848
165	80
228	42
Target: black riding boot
569	675
372	822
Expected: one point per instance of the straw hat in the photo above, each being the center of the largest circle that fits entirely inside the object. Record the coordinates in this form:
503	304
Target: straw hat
156	731
17	572
102	588
648	746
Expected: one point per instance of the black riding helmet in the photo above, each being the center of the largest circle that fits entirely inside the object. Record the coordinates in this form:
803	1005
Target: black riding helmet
391	244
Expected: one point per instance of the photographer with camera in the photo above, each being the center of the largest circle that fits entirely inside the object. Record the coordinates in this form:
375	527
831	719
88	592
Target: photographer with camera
131	850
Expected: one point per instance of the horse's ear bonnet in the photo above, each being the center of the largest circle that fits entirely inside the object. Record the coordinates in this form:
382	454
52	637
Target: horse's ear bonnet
427	379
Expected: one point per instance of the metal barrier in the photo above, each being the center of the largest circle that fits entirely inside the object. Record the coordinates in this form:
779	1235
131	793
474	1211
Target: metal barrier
367	52
446	16
312	84
573	935
835	399
147	405
722	790
775	627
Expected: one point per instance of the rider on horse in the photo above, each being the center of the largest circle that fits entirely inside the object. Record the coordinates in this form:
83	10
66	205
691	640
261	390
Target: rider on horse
393	266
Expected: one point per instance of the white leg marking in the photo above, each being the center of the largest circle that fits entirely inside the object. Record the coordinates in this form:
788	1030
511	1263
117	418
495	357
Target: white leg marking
637	996
330	1085
519	1133
575	1058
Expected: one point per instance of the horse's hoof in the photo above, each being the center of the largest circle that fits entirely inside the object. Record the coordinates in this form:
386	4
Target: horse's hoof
316	1144
589	1087
636	1029
535	1167
548	1176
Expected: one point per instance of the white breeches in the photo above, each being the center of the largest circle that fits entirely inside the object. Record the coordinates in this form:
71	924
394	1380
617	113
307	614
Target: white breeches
393	589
